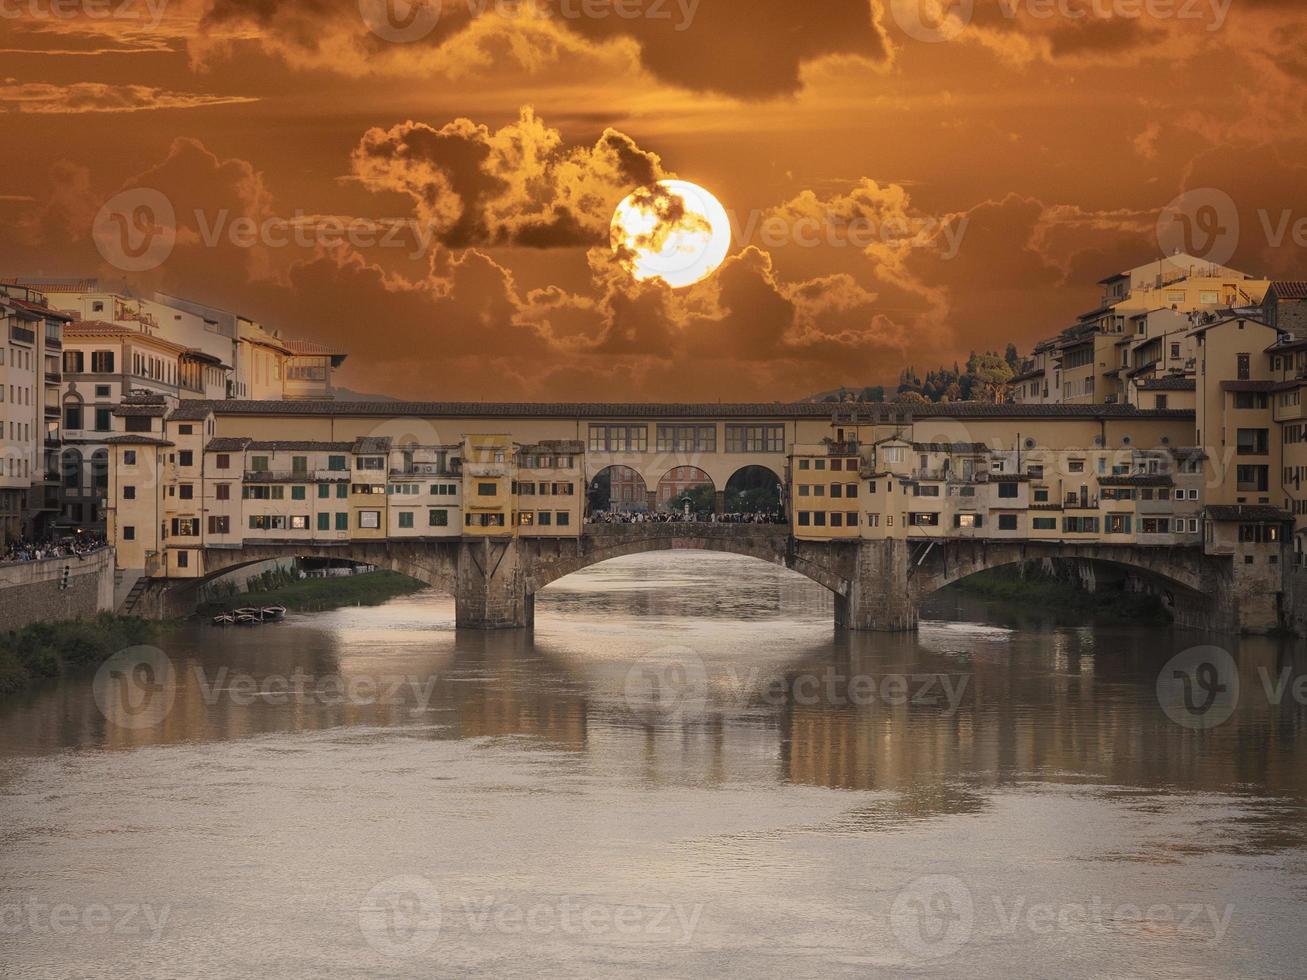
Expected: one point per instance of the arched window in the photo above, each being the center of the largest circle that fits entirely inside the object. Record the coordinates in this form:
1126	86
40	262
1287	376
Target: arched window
100	470
72	469
73	413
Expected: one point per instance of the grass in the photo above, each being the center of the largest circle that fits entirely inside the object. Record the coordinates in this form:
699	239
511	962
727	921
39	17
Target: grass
47	650
1037	591
315	594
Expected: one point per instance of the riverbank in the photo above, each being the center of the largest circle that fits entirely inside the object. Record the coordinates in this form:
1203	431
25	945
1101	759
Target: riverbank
47	650
1037	594
317	594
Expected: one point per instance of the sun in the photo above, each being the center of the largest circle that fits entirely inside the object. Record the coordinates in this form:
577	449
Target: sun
672	230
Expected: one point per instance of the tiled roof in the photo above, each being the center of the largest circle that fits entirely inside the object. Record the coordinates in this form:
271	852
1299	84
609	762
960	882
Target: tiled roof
1254	385
309	348
140	411
227	444
950	447
1169	384
709	410
134	439
1137	480
1290	289
58	285
190	412
1238	512
372	444
98	328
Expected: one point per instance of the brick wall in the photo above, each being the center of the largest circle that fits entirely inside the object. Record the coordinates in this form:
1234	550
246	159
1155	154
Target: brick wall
30	593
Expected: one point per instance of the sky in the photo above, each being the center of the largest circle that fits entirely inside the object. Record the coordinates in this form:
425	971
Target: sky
430	187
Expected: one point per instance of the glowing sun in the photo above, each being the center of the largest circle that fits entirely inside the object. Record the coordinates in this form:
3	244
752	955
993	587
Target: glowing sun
673	230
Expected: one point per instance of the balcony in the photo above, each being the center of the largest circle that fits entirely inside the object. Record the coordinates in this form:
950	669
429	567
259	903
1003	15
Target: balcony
21	335
282	476
426	469
54	377
847	448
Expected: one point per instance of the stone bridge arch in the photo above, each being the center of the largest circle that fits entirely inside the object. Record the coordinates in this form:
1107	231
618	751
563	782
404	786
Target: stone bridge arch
550	561
1196	588
435	564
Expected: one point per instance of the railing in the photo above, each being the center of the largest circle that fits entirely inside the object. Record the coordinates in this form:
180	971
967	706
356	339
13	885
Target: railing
847	448
22	335
426	469
54	377
271	476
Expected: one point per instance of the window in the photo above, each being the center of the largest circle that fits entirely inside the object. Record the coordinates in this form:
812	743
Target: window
1080	525
1075	466
219	525
298	493
837	519
74	362
370	463
324	522
406	519
185	527
967	520
923	520
259	464
438	518
342	522
129	493
129	457
1044	523
324	491
687	438
1008	491
103	420
1253	442
336	463
129	533
185	458
757	439
299	464
1250	399
1244	367
223	462
137	423
1007	522
342	491
72	415
370	519
487	489
564	518
102	362
526	519
183	559
186	491
222	491
1118	523
619	438
805	518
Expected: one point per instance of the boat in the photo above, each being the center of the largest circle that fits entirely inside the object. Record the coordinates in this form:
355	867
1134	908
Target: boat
273	614
245	611
223	619
247	619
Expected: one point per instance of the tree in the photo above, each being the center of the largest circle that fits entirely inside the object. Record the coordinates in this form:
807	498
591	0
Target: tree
993	373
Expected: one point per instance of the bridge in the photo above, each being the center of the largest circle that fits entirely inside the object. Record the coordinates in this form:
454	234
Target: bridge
877	585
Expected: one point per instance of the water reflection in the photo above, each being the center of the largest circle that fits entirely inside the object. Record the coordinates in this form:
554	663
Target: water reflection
521	765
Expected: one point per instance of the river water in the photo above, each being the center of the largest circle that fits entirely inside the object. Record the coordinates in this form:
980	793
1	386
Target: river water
685	771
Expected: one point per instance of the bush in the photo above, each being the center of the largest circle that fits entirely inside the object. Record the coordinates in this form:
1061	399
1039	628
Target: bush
43	650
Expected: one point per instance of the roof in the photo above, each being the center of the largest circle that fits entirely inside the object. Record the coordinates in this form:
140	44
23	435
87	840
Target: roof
228	444
1027	376
190	412
308	348
44	311
1240	512
240	444
950	447
554	446
711	410
58	285
1137	480
140	411
372	444
137	440
1290	289
1173	383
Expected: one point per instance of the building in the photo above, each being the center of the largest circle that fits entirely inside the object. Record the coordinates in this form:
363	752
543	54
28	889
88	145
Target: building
118	344
30	435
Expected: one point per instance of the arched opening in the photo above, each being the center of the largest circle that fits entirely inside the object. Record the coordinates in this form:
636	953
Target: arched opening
755	493
617	490
72	469
687	490
72	420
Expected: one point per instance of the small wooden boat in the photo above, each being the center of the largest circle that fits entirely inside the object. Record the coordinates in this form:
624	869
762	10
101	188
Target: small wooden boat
273	614
247	619
245	611
223	619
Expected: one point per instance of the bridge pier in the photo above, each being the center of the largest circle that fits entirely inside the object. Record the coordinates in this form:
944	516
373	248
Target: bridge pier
491	591
880	598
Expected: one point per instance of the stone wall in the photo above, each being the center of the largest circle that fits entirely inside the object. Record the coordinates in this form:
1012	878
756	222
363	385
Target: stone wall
30	592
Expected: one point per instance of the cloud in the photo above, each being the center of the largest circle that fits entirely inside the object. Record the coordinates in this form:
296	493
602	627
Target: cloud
80	97
518	185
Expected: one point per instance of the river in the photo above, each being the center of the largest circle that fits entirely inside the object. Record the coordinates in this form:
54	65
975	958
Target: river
683	772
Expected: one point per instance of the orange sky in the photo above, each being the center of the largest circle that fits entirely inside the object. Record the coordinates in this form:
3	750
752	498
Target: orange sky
905	188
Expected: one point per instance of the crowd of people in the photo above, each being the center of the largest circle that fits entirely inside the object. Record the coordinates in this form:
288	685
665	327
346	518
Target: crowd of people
661	517
73	547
